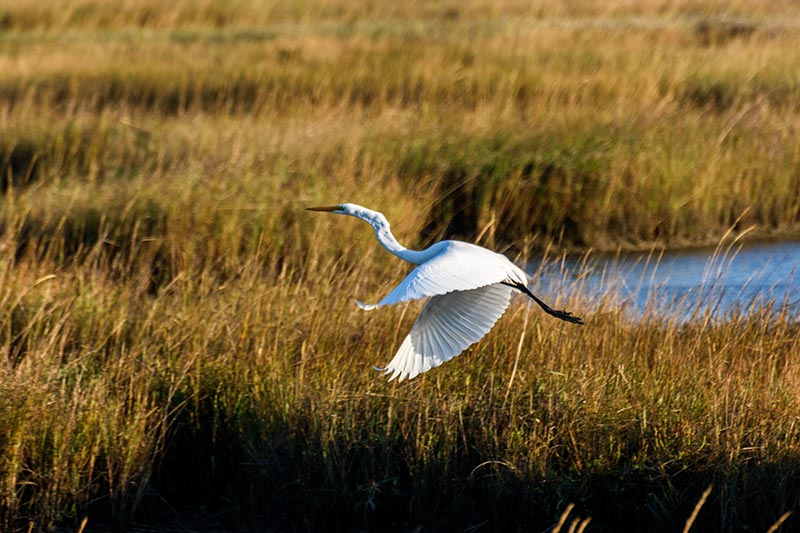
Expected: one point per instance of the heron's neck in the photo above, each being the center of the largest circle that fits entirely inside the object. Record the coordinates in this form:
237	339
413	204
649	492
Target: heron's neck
387	240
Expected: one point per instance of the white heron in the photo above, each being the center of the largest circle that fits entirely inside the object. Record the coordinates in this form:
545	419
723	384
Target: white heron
469	289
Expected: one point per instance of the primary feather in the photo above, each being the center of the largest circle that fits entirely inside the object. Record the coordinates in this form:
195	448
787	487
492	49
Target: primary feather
447	325
469	289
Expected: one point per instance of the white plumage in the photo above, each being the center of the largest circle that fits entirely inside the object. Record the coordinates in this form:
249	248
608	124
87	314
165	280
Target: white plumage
449	324
469	289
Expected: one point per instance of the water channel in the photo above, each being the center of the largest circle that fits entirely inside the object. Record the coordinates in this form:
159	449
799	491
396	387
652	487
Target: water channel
682	284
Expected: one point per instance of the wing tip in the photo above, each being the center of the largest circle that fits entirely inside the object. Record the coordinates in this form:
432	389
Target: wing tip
366	307
390	372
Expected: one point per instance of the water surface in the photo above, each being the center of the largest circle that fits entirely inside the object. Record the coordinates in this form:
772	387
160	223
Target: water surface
739	278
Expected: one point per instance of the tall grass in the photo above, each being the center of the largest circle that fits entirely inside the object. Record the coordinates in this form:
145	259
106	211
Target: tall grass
259	390
180	347
550	129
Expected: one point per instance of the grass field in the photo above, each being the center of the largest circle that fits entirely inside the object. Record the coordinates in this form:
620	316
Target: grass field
180	348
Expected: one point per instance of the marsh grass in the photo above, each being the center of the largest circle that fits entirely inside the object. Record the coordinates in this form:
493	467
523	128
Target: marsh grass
259	389
262	391
180	347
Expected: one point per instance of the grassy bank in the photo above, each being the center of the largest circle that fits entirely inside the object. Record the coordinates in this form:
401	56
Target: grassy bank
180	346
251	401
600	130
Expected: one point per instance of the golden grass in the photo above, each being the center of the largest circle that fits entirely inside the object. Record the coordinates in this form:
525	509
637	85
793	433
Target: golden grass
265	379
548	129
179	336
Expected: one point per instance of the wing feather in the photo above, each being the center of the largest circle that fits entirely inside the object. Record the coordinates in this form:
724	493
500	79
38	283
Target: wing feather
456	266
447	325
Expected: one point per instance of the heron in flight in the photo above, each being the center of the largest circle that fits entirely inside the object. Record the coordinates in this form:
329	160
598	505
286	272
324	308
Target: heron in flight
468	286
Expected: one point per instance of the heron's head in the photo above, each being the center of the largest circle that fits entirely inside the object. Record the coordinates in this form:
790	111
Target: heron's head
354	210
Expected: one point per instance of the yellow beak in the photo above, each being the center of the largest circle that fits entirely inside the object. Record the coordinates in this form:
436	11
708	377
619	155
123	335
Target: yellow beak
324	208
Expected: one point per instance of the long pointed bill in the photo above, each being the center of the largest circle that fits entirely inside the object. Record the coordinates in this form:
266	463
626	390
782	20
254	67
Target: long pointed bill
328	208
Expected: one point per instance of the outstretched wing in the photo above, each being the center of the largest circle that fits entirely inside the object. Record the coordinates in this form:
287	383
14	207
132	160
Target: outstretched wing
448	324
458	266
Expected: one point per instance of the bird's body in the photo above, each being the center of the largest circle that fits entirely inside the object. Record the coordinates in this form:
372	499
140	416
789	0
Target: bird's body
469	288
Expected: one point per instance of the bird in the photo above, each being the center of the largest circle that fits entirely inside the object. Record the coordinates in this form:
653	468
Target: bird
468	288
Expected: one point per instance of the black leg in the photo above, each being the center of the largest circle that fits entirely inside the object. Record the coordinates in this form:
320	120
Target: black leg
563	315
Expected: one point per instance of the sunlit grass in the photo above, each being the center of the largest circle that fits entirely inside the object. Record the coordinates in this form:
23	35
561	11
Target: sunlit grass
269	377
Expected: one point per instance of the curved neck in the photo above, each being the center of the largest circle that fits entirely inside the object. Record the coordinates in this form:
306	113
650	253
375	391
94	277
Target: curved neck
384	235
388	241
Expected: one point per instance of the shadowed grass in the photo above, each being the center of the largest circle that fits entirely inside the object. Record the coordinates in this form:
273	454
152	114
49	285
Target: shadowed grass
267	385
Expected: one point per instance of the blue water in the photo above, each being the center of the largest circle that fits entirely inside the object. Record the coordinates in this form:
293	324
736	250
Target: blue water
683	284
